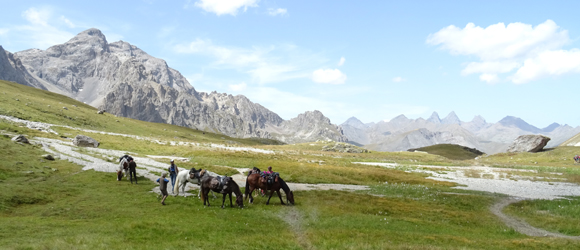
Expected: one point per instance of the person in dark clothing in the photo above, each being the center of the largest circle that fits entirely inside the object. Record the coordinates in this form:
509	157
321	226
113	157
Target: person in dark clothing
163	187
173	171
132	170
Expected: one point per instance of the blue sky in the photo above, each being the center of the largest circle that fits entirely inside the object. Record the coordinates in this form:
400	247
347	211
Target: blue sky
370	59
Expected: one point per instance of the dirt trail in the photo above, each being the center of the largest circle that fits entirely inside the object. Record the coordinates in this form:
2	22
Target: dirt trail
497	180
522	226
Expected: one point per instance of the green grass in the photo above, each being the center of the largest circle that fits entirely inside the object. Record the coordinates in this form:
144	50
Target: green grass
74	209
451	151
561	216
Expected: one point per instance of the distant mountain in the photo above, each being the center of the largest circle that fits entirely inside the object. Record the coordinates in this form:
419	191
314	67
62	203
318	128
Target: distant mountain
402	133
451	118
126	81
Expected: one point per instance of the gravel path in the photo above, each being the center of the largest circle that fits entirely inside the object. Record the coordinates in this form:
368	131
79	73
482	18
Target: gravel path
497	181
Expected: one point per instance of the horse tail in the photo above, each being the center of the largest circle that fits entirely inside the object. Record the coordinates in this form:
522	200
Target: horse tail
176	186
247	188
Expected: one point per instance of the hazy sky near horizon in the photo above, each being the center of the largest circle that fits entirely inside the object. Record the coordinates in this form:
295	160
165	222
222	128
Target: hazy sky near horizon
370	59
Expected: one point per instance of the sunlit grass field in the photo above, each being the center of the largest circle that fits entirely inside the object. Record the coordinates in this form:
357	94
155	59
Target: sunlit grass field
54	205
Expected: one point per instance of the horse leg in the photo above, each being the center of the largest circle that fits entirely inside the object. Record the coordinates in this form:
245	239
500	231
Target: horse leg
231	204
270	196
251	197
280	196
223	201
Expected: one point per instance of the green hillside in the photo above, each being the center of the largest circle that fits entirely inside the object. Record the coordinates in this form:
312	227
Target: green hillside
33	104
450	151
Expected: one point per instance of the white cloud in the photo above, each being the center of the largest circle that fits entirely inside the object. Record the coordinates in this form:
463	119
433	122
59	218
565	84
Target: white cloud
548	63
237	87
37	16
264	64
341	61
399	79
221	7
331	76
67	22
42	30
531	51
276	12
489	78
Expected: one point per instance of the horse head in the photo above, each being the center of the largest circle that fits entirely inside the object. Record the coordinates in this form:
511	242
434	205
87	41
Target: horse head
240	201
194	174
290	197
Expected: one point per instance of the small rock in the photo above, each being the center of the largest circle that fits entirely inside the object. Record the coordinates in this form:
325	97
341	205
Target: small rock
19	162
20	138
65	108
100	112
17	100
48	106
48	157
28	172
117	120
74	105
54	169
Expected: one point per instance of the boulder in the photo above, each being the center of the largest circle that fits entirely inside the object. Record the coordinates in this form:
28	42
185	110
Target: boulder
20	138
529	143
48	157
85	141
100	112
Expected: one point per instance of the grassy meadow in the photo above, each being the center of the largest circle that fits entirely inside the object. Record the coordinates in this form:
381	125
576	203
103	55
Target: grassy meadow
55	205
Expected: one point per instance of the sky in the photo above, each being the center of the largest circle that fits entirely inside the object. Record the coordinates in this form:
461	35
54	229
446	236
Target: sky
373	60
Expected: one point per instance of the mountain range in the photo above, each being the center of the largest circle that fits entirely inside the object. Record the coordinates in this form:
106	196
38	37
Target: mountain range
402	133
124	80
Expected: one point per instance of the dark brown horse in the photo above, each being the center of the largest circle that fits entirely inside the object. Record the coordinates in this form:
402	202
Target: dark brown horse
220	184
254	181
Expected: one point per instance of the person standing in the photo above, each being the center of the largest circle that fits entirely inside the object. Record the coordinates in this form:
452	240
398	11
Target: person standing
173	171
163	187
132	170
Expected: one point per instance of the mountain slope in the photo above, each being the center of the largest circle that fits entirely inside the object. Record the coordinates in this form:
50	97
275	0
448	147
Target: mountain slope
126	81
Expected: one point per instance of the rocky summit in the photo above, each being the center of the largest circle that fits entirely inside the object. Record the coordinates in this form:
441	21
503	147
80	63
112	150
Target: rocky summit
126	81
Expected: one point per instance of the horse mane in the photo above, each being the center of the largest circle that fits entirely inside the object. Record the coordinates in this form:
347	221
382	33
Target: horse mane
235	187
284	185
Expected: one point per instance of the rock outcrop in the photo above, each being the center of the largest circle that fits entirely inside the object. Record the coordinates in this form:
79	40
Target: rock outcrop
529	143
344	148
126	81
20	138
85	141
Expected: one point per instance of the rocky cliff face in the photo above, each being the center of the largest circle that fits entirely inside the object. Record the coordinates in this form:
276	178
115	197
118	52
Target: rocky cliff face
126	81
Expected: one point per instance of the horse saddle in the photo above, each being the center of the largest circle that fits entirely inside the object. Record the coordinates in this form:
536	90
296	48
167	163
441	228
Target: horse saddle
221	183
270	179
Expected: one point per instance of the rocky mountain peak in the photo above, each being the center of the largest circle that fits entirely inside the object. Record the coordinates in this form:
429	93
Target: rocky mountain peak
512	121
551	127
354	122
478	119
92	36
434	118
451	118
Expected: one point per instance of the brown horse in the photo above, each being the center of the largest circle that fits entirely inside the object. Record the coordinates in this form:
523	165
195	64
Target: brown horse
253	181
221	184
